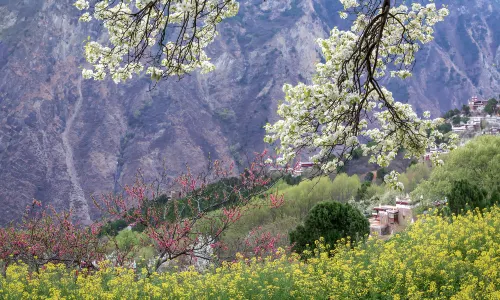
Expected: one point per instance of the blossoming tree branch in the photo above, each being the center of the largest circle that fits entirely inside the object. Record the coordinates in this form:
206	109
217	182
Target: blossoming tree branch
191	226
185	228
345	108
164	37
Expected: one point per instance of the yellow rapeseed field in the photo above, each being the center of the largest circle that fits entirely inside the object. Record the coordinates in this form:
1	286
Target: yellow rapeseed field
437	258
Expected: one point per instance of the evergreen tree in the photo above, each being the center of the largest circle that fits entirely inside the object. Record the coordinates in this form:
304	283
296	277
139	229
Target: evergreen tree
466	196
332	221
444	128
369	177
381	174
456	120
466	110
362	191
491	106
495	197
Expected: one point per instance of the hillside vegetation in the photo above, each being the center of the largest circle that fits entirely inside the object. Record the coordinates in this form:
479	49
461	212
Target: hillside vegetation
476	162
437	258
322	215
450	252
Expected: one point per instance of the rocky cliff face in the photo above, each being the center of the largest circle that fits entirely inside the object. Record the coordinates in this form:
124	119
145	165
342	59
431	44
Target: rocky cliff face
63	140
463	61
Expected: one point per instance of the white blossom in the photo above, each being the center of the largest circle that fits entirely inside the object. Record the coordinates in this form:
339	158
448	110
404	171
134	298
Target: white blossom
86	17
313	116
82	4
127	34
87	74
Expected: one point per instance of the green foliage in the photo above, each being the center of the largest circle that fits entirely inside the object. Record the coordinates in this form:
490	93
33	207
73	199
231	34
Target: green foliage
292	180
363	191
139	227
466	110
369	177
483	124
465	196
162	199
414	175
456	120
128	239
211	195
413	162
370	195
491	106
332	221
345	187
451	113
113	227
299	199
374	191
357	153
444	128
495	197
381	173
477	162
133	246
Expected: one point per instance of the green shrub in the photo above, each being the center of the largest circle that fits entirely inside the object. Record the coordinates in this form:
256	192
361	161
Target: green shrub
465	196
368	177
332	221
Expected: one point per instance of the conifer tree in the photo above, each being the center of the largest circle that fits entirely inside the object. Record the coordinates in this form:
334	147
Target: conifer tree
331	221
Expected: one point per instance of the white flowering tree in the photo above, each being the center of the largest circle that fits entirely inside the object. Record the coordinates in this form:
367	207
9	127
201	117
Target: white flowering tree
161	37
346	107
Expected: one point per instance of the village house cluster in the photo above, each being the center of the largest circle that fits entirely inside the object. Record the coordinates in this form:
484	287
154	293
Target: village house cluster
474	124
477	105
296	171
387	219
478	122
479	117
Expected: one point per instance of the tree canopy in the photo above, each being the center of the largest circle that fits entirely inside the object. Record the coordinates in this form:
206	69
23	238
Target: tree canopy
466	196
477	162
345	106
331	221
491	106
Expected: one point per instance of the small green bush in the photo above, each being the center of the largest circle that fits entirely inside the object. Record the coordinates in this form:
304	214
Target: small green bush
332	221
